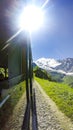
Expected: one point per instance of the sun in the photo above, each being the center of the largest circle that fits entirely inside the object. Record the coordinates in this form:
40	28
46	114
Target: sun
31	18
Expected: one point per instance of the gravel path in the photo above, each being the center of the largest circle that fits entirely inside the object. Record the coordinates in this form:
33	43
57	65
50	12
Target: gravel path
16	120
47	114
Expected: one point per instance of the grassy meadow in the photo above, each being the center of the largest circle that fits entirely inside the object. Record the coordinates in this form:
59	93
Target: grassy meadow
60	93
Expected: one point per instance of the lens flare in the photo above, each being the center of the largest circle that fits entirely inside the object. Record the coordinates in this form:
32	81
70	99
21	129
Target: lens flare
31	18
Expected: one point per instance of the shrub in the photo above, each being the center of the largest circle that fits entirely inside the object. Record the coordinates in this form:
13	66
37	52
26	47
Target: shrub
42	74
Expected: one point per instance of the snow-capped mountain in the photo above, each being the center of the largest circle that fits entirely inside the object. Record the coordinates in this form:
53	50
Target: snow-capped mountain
62	66
47	63
66	65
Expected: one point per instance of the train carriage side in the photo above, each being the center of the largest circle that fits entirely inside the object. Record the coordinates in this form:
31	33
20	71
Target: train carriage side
15	56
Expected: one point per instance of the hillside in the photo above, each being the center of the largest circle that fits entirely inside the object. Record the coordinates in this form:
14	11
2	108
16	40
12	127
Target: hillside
41	73
54	76
68	80
61	94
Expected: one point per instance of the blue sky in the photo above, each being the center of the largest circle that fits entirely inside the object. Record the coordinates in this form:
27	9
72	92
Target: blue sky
55	38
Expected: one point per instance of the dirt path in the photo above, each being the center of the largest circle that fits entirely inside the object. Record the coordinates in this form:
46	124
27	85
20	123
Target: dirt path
48	115
58	120
16	120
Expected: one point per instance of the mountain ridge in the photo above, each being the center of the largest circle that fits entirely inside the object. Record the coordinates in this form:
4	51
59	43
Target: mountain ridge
63	66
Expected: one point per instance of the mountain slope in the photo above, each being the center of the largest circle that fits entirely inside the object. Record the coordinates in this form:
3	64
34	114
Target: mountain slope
68	80
66	65
62	66
34	65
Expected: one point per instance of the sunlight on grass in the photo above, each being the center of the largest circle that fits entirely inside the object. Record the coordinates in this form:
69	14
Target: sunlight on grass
61	94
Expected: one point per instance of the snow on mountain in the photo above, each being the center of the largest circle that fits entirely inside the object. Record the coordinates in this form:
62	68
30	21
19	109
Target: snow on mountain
47	63
64	66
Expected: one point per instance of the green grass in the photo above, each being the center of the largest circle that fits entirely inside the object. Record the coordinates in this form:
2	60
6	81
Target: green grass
7	109
61	94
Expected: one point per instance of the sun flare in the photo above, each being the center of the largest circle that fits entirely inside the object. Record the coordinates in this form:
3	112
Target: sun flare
31	19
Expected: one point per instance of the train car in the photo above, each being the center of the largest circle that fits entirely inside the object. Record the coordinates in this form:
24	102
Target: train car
15	58
14	46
